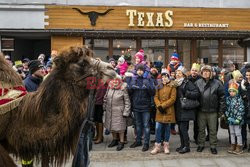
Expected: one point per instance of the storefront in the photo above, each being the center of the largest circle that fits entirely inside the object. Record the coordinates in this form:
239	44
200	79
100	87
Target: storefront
206	35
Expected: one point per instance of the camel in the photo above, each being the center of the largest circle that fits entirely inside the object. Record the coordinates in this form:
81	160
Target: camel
47	122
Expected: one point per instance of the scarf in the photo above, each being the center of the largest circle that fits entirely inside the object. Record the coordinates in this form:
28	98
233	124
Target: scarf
179	81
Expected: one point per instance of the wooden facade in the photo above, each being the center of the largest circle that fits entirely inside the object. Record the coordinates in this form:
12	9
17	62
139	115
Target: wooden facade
184	20
65	17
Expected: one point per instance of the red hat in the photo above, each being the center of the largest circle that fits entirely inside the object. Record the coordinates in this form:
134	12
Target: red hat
140	55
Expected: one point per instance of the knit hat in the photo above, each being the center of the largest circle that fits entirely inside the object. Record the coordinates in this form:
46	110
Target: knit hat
26	60
247	65
111	59
34	65
175	57
164	71
49	64
140	55
121	59
182	69
236	74
7	57
233	86
140	67
196	66
153	69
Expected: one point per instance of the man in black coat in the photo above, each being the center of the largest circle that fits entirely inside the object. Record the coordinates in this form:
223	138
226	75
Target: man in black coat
212	101
193	78
35	77
141	90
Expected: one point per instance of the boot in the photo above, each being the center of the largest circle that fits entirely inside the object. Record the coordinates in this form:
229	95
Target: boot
100	134
166	147
113	143
120	146
232	148
96	130
184	150
157	149
238	150
244	145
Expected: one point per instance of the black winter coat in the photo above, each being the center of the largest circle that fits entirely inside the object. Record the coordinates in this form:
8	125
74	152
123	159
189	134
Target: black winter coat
190	91
245	94
141	90
31	83
212	97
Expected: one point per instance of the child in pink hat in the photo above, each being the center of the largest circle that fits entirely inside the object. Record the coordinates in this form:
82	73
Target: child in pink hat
139	59
122	65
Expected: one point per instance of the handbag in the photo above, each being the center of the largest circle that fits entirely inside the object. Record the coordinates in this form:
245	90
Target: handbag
129	120
188	104
223	123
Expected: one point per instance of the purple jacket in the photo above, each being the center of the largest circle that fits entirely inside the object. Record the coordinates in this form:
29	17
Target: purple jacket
100	93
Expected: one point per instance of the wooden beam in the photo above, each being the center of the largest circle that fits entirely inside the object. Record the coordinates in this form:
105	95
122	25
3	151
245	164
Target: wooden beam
166	53
110	47
245	54
193	54
138	44
220	53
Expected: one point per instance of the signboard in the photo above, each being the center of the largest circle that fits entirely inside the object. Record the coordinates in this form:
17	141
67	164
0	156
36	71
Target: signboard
7	44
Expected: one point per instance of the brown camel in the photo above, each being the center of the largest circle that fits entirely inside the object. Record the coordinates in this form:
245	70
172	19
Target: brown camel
47	122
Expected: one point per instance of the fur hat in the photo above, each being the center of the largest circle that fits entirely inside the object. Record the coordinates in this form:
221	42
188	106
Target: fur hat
34	65
233	86
175	57
196	66
209	68
182	69
236	74
140	67
206	67
140	55
121	59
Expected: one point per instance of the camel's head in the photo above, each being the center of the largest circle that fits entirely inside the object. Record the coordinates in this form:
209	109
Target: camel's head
81	68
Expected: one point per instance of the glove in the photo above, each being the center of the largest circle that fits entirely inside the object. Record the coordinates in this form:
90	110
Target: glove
162	111
237	122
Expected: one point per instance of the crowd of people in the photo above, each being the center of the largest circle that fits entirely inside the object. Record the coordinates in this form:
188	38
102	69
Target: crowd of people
153	99
156	98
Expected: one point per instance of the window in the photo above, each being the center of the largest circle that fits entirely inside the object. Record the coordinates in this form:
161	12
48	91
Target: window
232	52
100	47
154	49
184	50
125	47
207	51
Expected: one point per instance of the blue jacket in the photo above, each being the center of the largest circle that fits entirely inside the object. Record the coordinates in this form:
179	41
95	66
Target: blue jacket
141	90
31	83
235	110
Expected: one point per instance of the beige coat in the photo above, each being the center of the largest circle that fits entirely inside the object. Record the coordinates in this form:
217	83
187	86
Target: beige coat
116	105
165	97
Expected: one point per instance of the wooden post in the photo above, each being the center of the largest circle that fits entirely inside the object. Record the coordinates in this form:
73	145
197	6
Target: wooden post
220	52
166	53
110	47
245	54
138	44
193	51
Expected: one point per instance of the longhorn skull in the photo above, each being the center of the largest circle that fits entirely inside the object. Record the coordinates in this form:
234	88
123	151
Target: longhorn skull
92	15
